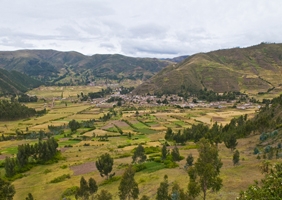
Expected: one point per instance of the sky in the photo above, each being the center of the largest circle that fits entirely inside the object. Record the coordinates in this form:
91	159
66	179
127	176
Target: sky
138	28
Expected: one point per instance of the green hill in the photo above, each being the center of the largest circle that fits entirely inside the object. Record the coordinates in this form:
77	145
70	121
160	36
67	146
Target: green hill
15	82
65	67
253	69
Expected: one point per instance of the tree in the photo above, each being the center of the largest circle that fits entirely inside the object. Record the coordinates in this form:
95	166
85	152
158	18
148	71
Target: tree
29	197
128	188
7	191
168	134
10	165
206	169
175	154
189	160
105	164
104	195
93	187
74	125
230	141
177	193
164	152
83	190
139	155
162	192
269	188
236	157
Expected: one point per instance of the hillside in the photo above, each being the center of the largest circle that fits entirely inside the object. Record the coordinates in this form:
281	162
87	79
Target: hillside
253	69
73	67
15	82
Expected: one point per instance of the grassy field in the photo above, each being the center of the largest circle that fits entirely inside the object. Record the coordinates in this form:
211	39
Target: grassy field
148	128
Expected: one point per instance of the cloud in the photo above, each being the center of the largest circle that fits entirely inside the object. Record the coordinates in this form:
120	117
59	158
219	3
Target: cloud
139	28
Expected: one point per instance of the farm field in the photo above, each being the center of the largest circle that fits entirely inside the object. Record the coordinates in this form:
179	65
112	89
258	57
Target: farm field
82	148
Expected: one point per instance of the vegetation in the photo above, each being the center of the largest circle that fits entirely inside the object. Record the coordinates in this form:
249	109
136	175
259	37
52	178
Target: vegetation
7	190
220	71
13	83
105	165
205	173
128	188
269	188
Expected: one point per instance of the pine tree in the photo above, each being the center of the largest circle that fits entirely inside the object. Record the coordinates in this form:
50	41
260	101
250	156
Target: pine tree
128	188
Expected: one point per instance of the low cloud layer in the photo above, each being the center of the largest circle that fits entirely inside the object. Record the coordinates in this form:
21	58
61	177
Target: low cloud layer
138	28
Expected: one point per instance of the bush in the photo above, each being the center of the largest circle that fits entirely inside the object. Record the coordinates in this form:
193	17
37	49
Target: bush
60	178
256	151
139	167
70	191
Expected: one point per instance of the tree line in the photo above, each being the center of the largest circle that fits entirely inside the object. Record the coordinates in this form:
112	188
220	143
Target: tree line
40	152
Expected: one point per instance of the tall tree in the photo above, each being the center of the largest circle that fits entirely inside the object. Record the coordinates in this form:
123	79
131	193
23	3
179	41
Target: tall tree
105	164
83	190
175	154
164	151
93	187
207	168
7	191
162	192
128	188
10	165
139	155
236	157
230	141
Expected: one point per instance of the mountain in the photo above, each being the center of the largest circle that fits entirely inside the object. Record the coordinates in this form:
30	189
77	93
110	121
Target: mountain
63	67
14	82
253	69
176	59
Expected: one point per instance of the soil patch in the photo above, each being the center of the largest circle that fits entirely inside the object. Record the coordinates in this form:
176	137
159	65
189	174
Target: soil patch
83	168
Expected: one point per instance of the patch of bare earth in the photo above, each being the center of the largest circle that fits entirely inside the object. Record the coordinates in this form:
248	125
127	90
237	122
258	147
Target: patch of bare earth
83	168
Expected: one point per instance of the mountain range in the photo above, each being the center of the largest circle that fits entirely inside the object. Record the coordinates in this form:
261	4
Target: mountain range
64	67
253	69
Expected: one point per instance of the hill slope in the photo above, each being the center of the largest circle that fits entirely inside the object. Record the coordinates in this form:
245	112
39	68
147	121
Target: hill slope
14	82
253	69
55	66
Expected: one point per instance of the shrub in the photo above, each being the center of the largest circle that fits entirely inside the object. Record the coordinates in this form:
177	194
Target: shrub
139	167
60	178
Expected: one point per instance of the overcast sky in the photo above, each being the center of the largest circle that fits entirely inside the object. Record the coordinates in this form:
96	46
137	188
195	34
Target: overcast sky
139	28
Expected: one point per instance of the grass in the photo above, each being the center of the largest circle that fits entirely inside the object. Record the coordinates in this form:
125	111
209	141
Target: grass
37	180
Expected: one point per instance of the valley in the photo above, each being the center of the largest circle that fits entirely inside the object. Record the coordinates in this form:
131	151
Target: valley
135	122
